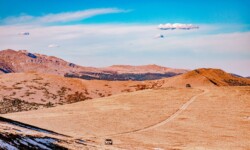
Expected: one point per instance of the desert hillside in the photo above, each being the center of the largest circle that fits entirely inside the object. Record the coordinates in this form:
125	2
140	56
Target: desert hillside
25	91
206	77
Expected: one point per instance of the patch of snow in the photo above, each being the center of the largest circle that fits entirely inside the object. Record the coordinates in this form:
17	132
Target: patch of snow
30	128
24	143
46	141
7	146
34	143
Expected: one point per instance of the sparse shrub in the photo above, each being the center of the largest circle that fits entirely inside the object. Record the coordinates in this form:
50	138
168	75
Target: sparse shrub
46	84
101	94
13	94
140	87
16	102
188	86
233	82
27	93
76	97
16	105
18	83
62	91
49	104
17	88
126	90
86	92
39	78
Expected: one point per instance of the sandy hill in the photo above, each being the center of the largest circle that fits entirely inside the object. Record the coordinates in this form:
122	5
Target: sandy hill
25	91
12	61
206	77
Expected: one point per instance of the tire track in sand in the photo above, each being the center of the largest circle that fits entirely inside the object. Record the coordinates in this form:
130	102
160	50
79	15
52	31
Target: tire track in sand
167	120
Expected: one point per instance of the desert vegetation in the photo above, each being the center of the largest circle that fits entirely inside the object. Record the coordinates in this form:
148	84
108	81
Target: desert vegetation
10	105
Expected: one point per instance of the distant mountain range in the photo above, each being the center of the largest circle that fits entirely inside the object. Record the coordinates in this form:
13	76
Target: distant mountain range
12	61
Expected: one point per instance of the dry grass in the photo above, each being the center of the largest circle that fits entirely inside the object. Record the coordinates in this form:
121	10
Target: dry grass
44	88
216	120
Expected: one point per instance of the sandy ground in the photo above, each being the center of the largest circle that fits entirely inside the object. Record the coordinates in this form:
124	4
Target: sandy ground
166	118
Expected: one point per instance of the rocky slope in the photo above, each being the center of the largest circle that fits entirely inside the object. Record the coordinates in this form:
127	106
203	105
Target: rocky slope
23	61
12	61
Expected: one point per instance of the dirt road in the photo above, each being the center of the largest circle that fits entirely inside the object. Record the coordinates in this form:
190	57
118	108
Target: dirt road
167	120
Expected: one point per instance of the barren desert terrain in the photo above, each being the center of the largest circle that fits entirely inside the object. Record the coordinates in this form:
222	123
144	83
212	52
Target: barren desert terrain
125	75
163	118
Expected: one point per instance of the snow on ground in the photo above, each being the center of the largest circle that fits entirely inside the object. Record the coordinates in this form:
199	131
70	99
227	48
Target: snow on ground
7	146
15	135
41	145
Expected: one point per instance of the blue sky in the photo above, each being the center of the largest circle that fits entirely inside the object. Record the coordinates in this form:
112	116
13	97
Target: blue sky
105	32
144	11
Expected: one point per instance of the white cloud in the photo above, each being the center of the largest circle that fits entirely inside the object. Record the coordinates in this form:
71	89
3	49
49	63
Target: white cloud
53	46
24	33
15	20
95	38
174	26
107	44
61	17
157	36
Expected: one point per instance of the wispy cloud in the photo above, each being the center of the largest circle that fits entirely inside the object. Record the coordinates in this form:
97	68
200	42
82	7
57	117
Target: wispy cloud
53	46
174	26
61	17
134	44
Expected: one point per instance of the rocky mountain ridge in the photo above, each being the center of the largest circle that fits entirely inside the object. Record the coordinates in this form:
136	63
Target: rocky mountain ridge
12	61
